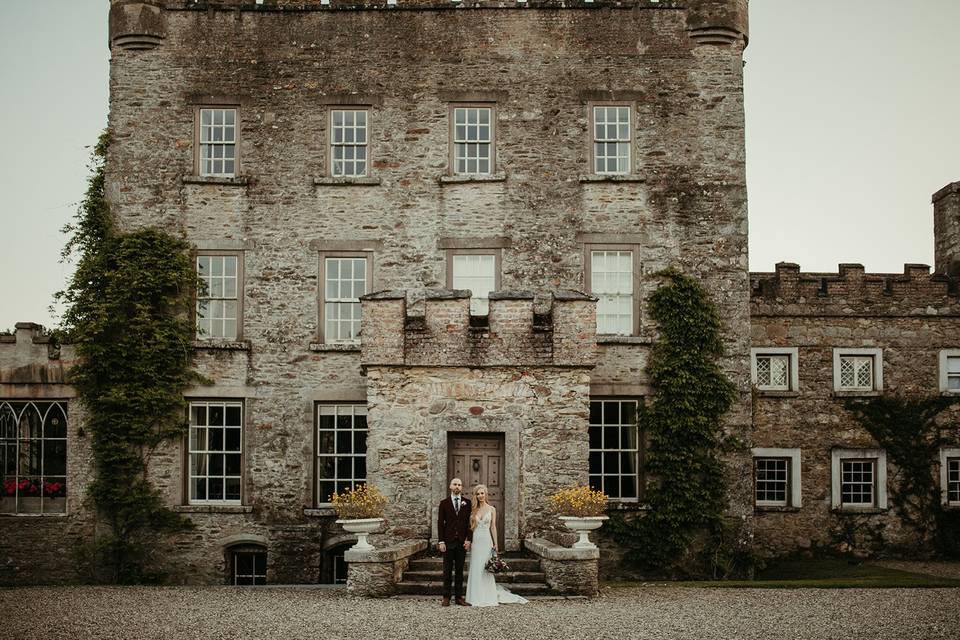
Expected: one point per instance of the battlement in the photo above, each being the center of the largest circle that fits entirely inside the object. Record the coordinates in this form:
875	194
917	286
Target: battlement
30	356
141	24
446	334
852	291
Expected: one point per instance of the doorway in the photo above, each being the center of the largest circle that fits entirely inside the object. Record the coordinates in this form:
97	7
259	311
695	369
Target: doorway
477	458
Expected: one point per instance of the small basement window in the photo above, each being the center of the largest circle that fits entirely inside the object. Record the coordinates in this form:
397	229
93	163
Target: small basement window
248	567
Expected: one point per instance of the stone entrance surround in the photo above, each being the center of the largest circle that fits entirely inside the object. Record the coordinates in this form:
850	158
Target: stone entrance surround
524	375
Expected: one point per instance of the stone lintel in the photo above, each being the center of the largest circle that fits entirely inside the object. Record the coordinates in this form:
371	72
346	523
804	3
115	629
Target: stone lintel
611	95
473	95
499	242
371	244
386	554
352	99
591	237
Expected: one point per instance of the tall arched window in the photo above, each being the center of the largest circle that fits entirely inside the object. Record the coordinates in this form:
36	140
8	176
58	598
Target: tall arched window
33	457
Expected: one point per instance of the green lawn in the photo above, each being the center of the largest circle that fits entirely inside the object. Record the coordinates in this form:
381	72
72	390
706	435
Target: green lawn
821	573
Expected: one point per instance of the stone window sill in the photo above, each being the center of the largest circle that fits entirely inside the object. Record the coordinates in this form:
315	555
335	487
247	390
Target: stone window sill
775	509
627	506
222	345
364	181
236	181
610	339
34	515
630	177
857	511
461	179
213	508
778	394
857	394
321	346
319	512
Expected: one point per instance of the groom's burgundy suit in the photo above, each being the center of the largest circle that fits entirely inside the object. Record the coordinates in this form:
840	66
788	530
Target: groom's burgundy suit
453	529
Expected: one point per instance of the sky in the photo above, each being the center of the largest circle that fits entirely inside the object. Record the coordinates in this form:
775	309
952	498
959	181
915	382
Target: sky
851	116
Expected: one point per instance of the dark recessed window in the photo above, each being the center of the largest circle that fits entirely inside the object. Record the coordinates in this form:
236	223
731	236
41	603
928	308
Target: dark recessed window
249	568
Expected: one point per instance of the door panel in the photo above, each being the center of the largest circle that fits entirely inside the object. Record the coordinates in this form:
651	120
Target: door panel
478	459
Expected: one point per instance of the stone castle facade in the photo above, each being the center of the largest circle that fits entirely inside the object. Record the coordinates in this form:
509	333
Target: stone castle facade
490	187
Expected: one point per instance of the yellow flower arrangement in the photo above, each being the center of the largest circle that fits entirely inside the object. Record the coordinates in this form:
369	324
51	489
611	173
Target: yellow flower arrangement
579	501
364	501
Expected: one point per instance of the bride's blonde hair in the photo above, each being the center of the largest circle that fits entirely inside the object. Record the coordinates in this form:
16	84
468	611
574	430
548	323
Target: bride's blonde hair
475	505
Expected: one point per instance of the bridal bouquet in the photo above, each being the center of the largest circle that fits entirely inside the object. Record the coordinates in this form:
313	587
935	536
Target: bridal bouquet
496	564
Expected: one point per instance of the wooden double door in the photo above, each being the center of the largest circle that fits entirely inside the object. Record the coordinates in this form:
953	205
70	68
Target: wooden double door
477	458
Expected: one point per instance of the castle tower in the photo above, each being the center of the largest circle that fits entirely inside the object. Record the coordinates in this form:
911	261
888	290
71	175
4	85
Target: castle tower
946	229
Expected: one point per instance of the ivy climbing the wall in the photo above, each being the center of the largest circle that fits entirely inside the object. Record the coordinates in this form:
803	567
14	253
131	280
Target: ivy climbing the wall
908	430
126	317
687	492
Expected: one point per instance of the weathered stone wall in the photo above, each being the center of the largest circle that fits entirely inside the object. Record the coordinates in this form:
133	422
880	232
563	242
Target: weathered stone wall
284	64
42	548
911	317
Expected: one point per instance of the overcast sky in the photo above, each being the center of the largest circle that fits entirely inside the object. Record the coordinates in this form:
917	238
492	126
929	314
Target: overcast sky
851	126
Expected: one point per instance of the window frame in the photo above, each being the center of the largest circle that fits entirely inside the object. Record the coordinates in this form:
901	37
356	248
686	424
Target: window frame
793	368
330	143
316	447
640	453
451	133
944	375
61	404
197	152
252	550
864	352
879	458
322	289
948	455
187	473
239	255
588	249
497	254
794	496
591	139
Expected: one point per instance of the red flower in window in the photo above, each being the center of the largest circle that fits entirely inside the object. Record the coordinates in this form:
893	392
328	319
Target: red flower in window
54	489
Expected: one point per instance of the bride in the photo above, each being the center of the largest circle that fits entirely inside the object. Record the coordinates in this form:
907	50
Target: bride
482	589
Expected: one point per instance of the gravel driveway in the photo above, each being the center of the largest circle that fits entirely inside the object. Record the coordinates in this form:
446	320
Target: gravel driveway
172	613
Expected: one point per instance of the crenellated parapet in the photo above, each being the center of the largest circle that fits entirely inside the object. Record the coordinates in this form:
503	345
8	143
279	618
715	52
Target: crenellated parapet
29	356
446	334
851	291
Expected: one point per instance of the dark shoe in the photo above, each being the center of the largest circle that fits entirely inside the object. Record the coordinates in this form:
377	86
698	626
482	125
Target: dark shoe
462	602
445	602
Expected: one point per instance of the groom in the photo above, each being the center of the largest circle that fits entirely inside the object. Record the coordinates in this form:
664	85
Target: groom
453	531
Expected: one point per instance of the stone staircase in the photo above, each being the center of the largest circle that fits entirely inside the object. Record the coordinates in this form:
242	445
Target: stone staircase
424	576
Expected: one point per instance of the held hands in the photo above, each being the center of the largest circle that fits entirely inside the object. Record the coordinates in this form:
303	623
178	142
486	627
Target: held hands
466	546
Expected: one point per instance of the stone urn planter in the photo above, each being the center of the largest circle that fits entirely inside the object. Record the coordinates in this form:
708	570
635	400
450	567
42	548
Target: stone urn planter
583	526
362	527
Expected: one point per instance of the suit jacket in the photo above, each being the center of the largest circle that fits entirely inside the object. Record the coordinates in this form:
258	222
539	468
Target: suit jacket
453	526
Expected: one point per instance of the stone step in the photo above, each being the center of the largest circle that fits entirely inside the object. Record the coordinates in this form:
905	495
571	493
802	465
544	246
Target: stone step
506	576
436	588
524	564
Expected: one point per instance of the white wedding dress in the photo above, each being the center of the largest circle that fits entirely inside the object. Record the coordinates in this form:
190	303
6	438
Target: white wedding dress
482	589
